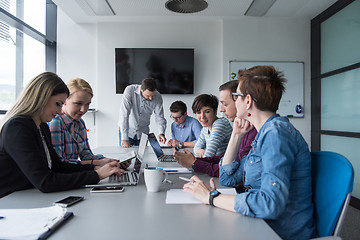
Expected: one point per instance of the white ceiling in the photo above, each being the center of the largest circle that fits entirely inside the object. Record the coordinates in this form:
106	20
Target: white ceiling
143	10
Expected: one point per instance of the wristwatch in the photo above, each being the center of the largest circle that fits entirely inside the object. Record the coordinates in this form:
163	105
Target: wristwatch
181	145
213	194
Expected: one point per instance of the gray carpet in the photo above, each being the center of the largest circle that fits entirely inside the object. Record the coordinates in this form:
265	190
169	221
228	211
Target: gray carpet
351	226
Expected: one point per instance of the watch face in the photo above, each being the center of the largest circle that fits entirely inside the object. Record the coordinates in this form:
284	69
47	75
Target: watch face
215	192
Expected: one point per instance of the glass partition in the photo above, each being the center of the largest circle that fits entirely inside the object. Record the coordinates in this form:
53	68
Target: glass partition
340	39
349	148
340	102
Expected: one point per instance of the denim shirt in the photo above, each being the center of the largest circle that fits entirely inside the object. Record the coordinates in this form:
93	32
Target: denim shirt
277	171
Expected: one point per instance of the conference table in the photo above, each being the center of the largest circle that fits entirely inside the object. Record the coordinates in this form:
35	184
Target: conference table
138	214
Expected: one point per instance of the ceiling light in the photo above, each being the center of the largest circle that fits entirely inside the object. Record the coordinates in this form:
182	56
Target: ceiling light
186	6
98	7
259	8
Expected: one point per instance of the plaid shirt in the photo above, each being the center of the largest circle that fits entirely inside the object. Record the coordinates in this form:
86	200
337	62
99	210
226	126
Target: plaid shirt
69	147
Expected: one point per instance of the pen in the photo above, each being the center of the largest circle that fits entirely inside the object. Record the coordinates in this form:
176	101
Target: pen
187	179
171	170
1	217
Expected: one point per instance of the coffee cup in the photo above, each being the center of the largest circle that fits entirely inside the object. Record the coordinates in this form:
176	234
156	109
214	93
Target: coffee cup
154	177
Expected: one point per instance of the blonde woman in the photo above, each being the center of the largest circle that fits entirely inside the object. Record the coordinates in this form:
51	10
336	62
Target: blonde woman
68	130
27	156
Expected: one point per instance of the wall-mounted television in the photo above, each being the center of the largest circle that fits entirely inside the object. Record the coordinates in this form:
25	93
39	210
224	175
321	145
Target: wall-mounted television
173	68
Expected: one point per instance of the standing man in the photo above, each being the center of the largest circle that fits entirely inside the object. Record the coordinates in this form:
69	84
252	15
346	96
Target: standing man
139	102
185	130
210	165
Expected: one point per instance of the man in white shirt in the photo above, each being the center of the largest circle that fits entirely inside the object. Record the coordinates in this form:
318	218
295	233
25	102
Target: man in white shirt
139	102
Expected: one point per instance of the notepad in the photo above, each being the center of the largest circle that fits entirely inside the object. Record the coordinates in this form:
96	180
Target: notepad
177	196
33	223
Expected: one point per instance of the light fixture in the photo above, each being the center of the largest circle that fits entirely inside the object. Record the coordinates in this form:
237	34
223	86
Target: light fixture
259	8
186	6
96	7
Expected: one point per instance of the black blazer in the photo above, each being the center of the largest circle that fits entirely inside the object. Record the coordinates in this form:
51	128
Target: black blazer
23	161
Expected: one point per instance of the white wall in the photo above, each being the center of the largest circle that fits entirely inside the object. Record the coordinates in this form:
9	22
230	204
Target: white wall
88	51
264	39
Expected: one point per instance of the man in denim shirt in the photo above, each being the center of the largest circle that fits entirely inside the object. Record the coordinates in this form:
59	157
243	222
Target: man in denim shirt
276	173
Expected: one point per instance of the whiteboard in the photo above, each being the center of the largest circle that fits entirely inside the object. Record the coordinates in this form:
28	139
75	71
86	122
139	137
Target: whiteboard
292	101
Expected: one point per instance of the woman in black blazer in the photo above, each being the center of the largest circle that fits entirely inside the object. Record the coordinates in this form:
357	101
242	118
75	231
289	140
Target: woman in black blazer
27	156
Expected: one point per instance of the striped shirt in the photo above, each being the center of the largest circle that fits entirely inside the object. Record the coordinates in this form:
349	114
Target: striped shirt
71	147
216	141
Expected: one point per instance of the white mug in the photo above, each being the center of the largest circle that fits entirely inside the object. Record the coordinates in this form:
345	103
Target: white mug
154	177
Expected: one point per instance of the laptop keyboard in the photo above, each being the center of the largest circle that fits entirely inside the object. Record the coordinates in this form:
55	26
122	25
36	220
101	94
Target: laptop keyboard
168	158
125	178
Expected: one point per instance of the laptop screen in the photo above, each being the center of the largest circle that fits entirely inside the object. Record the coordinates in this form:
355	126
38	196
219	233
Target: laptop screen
156	146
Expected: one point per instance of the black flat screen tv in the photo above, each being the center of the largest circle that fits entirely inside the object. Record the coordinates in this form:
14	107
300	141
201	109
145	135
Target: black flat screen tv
173	68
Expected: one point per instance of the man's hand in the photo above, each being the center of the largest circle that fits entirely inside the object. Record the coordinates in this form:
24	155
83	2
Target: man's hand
185	159
125	144
162	138
173	142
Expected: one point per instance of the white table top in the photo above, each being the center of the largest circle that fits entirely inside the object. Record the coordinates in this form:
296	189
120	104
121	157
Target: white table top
138	214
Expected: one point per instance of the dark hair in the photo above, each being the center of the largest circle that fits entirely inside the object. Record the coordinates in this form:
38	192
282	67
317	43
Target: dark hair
265	84
230	85
205	100
148	84
178	106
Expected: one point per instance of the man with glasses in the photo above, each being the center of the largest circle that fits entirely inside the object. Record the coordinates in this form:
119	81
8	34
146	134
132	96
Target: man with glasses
185	130
139	102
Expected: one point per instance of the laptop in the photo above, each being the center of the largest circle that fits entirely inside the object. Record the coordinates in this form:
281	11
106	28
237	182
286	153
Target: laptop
129	178
158	151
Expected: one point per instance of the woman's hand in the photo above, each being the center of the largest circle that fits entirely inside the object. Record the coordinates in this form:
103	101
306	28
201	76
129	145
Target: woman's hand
103	161
241	126
199	189
125	165
109	169
185	159
200	152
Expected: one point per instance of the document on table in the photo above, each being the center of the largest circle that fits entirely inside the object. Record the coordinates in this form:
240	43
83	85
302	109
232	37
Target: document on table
177	196
34	223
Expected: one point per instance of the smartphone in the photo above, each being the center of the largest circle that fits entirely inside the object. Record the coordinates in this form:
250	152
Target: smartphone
71	200
178	149
107	189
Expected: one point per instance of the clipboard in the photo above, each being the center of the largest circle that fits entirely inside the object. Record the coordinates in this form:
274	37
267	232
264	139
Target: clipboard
51	230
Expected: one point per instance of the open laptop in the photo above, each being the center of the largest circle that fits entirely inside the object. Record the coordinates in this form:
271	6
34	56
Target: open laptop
129	178
158	151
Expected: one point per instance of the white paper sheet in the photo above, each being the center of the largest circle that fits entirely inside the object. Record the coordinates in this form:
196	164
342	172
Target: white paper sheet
177	196
28	223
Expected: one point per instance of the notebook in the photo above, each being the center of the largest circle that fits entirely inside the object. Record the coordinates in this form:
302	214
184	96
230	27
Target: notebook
158	151
129	178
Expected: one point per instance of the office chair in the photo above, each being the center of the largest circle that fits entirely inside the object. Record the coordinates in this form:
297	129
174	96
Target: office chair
333	177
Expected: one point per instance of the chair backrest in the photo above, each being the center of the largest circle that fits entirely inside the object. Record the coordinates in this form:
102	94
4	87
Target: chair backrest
333	177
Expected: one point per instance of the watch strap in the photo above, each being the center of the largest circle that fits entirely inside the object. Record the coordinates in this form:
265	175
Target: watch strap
213	194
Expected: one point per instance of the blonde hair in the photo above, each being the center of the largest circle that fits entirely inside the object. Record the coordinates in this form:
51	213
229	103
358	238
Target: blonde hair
79	84
36	95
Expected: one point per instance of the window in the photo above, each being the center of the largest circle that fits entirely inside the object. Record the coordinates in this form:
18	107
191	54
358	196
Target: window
27	45
335	84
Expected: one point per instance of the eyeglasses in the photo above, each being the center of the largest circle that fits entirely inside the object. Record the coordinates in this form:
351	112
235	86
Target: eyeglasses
236	95
176	118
